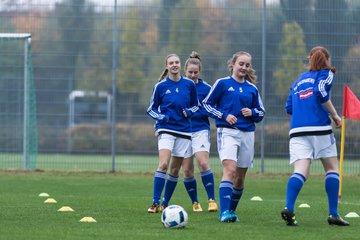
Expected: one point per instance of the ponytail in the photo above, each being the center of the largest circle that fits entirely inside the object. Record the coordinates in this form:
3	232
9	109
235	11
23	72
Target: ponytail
251	75
165	72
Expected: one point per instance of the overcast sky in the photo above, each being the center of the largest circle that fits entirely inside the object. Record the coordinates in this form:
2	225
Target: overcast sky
104	4
50	3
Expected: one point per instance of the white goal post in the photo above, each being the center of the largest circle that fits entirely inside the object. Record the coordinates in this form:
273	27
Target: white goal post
27	162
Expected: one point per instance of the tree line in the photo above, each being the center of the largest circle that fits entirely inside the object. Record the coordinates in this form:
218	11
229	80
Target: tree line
73	46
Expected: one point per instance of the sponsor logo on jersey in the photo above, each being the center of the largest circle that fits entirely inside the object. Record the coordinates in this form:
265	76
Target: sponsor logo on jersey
304	81
168	91
177	90
306	94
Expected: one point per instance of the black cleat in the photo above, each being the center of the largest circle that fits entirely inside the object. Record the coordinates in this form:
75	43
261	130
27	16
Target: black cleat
332	220
289	217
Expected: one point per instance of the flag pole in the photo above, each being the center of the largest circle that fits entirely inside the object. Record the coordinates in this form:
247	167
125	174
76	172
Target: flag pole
342	146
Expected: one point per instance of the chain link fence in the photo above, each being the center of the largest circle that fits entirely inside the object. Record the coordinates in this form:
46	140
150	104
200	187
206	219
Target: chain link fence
89	56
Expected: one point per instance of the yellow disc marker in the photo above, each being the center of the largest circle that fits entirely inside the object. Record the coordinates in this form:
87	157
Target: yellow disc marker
256	198
87	219
44	194
304	205
352	215
65	209
50	200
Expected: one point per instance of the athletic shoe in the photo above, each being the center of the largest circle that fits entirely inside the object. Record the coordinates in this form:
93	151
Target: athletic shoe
197	207
162	207
226	216
155	208
332	220
289	217
212	206
234	217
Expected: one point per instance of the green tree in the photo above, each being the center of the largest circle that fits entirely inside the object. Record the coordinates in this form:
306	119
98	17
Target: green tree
131	75
331	20
8	46
184	37
301	12
213	20
352	66
292	53
326	23
331	23
244	28
76	22
185	30
12	74
243	32
132	60
164	20
328	19
97	73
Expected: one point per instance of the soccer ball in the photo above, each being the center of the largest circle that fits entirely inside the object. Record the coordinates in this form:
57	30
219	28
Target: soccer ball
174	216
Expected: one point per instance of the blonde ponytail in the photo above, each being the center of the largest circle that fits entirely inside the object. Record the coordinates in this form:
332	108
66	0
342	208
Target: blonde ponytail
165	72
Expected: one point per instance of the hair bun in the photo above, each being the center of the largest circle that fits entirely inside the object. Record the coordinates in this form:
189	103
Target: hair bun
195	55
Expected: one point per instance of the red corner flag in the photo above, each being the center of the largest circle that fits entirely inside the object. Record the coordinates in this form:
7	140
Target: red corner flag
351	104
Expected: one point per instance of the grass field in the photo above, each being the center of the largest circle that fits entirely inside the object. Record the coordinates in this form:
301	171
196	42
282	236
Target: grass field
119	202
135	163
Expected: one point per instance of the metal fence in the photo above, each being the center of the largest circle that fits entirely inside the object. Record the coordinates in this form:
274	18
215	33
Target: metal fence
91	49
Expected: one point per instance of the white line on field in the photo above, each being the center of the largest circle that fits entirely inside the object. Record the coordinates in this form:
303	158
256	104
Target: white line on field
302	201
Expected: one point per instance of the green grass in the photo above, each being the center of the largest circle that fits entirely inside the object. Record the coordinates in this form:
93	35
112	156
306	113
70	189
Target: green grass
134	163
119	202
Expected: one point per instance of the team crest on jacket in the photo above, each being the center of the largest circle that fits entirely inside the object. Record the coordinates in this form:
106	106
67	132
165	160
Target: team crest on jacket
240	89
306	94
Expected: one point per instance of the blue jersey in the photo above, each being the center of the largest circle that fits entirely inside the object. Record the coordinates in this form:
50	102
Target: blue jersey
167	103
200	119
304	103
227	96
